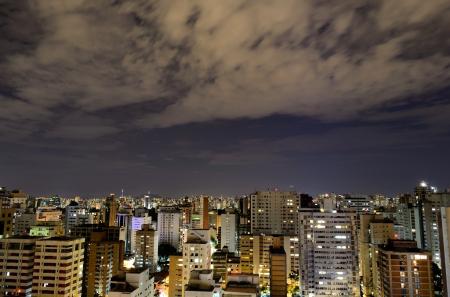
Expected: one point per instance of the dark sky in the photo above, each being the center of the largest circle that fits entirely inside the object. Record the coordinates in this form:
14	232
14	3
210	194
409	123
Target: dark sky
224	97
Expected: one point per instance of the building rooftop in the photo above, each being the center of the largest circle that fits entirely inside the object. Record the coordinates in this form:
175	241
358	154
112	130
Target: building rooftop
122	287
24	237
243	287
195	241
199	287
402	246
61	238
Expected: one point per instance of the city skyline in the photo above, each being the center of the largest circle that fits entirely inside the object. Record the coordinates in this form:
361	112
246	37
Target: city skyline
291	188
177	97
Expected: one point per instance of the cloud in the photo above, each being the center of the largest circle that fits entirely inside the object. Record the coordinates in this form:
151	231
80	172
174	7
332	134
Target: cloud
82	126
167	63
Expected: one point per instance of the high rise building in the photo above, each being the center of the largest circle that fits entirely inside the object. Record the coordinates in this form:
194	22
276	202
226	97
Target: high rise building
169	226
444	227
204	212
58	267
5	195
147	248
175	276
48	213
431	207
328	253
49	202
196	252
228	235
123	220
255	255
99	264
16	265
75	215
404	270
274	212
136	224
202	283
6	222
18	199
99	241
225	262
406	216
374	230
111	209
359	203
278	268
186	210
23	221
47	228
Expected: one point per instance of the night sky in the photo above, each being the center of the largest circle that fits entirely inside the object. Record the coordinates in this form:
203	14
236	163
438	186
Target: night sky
224	97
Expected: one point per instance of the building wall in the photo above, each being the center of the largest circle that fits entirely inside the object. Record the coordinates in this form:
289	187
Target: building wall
169	225
147	248
278	278
444	227
16	266
196	253
405	274
75	215
99	268
228	234
274	212
175	276
58	267
328	253
6	222
23	222
255	255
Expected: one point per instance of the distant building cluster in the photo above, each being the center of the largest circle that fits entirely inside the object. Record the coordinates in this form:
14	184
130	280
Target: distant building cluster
268	243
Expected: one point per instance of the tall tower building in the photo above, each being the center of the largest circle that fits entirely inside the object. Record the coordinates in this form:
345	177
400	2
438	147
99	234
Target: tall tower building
225	262
228	235
99	241
431	207
406	216
274	212
255	255
169	226
147	248
136	224
175	276
196	253
47	228
405	270
18	199
6	222
58	267
99	264
123	220
74	215
24	221
374	230
205	212
444	238
16	265
278	268
328	253
112	207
